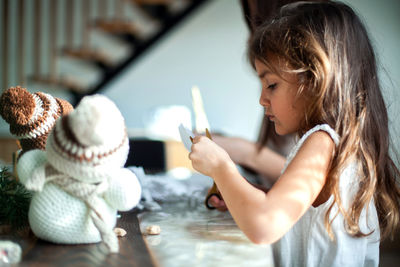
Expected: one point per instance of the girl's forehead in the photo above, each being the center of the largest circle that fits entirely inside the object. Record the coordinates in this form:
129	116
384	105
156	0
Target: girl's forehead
266	65
260	65
275	69
270	66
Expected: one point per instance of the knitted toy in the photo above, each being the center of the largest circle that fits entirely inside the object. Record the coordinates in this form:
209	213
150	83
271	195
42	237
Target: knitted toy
79	179
31	116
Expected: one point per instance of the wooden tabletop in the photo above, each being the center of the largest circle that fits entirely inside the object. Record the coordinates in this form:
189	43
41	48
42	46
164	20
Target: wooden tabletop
133	250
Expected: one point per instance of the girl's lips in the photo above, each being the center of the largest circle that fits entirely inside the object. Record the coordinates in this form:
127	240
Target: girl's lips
270	117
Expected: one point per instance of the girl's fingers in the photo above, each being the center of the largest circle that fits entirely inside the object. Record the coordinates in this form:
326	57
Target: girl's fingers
197	138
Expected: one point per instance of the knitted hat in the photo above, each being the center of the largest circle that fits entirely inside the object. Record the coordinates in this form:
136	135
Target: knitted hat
90	141
31	116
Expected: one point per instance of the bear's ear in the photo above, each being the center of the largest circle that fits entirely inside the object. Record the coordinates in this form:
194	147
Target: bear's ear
28	162
17	105
65	106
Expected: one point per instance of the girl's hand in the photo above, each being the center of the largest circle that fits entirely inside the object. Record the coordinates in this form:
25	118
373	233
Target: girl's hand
207	157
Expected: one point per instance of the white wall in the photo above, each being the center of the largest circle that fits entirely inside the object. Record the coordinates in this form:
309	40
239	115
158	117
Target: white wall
209	50
382	19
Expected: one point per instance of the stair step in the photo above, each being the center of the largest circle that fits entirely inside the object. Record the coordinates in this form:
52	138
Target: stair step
152	2
67	83
96	56
118	27
162	10
112	34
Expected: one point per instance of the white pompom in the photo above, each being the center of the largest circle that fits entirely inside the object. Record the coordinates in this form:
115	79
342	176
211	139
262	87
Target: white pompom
97	121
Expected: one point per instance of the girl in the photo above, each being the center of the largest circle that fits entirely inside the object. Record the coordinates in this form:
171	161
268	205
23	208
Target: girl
337	194
269	147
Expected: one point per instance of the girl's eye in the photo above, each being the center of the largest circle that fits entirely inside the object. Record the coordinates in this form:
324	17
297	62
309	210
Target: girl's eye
272	86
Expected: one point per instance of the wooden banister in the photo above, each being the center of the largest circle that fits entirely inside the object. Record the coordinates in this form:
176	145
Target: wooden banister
38	38
53	40
118	11
69	23
21	42
102	8
153	2
85	25
5	44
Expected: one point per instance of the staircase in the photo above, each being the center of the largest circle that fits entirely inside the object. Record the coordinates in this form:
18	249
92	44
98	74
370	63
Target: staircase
78	46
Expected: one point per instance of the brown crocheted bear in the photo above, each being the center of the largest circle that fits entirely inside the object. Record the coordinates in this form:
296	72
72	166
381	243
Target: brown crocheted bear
31	116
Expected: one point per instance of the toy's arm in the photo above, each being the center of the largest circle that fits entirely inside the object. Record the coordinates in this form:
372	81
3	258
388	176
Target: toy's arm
124	190
31	169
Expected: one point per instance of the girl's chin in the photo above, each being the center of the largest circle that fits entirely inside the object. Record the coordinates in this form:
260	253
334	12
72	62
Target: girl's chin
279	130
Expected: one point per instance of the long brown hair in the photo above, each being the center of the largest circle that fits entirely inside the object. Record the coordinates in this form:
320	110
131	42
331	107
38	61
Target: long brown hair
255	12
328	47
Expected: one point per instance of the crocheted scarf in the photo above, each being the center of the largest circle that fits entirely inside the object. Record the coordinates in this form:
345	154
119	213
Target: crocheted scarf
87	192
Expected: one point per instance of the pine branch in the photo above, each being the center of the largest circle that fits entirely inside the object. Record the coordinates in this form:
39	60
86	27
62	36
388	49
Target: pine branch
14	201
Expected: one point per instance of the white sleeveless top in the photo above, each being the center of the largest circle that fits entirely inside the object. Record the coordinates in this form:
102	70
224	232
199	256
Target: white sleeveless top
308	244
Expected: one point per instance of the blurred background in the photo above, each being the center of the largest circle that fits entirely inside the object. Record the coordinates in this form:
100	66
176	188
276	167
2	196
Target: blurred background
147	54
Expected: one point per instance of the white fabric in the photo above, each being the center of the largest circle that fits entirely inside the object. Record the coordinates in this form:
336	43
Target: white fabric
308	243
166	188
61	210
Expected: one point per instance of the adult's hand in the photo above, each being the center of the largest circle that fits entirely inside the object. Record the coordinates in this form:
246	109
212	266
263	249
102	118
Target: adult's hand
217	203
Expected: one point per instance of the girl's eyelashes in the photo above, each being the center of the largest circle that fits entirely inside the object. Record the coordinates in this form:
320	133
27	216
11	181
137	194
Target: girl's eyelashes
272	86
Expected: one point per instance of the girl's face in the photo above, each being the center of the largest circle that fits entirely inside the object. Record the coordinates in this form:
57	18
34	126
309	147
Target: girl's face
278	97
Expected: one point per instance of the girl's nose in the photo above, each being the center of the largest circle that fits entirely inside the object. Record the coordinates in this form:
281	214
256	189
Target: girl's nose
264	100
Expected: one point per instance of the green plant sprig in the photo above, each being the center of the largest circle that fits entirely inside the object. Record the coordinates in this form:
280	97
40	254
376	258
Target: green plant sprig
14	201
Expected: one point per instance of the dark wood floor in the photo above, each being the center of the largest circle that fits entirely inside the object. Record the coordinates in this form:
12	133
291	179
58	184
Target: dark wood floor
133	250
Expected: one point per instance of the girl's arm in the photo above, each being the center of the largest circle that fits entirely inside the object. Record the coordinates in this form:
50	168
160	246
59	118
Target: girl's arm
220	205
266	217
265	162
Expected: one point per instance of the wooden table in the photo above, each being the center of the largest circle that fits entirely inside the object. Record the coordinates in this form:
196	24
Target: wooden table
133	250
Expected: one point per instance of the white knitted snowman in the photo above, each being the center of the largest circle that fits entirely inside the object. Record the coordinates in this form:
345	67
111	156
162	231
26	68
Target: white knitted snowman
79	179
